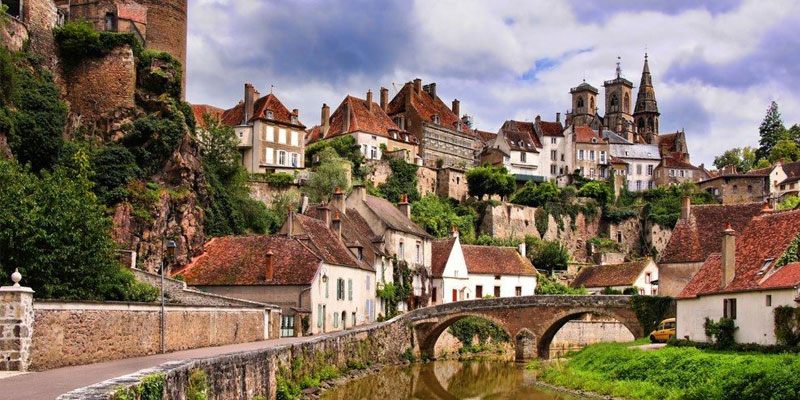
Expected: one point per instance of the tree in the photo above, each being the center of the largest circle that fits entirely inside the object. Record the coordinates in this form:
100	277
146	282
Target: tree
743	158
771	131
546	285
55	232
113	166
534	195
786	150
437	216
490	180
551	256
329	174
403	180
601	191
345	146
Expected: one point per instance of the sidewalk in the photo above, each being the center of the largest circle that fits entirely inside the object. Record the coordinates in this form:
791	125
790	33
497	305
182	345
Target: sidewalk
53	383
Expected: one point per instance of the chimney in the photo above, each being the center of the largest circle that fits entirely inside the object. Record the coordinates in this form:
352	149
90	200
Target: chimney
296	112
522	250
538	119
558	117
337	199
303	203
384	98
430	89
336	224
360	192
403	206
766	209
325	213
270	272
686	208
249	101
728	255
454	231
325	119
456	107
290	222
369	99
418	85
346	110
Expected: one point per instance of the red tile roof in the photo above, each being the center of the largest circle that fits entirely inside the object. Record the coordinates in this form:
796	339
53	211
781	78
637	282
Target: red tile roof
551	128
695	239
616	160
522	141
671	162
585	134
494	260
484	136
440	253
270	102
426	106
326	243
362	119
241	260
200	110
601	276
392	216
787	276
353	233
762	241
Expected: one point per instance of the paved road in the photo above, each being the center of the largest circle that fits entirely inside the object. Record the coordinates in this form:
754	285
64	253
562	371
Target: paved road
50	384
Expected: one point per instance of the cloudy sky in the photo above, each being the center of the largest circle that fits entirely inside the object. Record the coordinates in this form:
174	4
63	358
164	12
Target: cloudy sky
716	64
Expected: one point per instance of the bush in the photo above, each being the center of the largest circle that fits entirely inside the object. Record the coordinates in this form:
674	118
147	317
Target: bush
279	179
546	285
534	195
787	325
650	310
466	329
601	191
490	180
159	73
437	216
403	180
329	174
551	256
114	167
77	40
198	385
721	331
346	147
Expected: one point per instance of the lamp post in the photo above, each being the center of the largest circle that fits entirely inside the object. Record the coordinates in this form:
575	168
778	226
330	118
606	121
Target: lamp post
170	254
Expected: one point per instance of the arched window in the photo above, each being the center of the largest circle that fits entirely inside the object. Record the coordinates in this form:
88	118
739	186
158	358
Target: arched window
640	124
613	104
579	103
650	125
591	104
626	105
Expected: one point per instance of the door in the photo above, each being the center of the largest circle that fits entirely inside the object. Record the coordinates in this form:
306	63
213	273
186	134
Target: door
455	295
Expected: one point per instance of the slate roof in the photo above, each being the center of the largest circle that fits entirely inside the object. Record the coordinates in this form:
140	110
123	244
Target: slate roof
693	240
613	138
640	151
585	134
601	276
362	119
440	253
241	260
426	106
200	110
494	260
766	237
270	102
392	216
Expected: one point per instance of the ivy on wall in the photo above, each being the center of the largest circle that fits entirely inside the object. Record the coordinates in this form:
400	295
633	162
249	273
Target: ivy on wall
790	255
650	310
787	325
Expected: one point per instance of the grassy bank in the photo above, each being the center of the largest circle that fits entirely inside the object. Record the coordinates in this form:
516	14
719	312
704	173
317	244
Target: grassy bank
676	373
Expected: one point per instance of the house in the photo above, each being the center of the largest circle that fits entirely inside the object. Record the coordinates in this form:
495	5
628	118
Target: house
518	151
752	272
445	138
695	236
784	179
673	171
556	150
464	272
201	110
369	125
731	187
641	159
271	138
402	239
590	152
641	275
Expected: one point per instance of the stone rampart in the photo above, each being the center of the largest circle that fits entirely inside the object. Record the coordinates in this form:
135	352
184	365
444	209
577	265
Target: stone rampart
13	34
98	86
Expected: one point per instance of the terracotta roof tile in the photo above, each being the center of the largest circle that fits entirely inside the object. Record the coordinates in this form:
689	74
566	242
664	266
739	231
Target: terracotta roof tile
522	141
484	136
353	233
440	253
787	276
671	162
327	244
270	102
392	217
241	260
426	106
551	128
694	240
585	134
200	110
494	260
598	276
362	119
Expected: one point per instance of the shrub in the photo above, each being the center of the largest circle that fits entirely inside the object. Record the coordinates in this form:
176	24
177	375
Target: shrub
650	310
437	216
466	329
159	73
403	180
787	325
77	40
279	179
329	174
721	331
537	195
546	285
114	167
551	256
197	388
490	180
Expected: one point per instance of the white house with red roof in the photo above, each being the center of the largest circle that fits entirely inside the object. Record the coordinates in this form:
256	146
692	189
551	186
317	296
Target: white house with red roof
641	275
753	272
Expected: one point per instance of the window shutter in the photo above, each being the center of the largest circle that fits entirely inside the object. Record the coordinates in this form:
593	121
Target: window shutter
350	289
319	315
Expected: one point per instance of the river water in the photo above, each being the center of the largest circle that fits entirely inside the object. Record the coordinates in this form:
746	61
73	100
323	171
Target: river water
447	380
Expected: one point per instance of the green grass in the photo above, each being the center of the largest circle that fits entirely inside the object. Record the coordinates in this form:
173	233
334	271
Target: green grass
676	373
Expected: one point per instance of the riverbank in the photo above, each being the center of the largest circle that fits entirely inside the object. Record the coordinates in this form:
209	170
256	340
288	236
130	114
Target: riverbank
614	369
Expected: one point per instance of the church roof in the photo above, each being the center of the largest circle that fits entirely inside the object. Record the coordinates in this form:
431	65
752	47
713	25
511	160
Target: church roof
583	87
646	98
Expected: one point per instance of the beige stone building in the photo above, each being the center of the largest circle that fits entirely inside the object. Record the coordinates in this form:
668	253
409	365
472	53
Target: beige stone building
736	188
591	152
271	138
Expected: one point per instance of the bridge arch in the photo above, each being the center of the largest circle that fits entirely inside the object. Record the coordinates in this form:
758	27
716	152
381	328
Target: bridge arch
429	331
554	324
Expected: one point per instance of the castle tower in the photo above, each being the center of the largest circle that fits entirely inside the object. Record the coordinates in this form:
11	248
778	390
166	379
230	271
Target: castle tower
584	104
167	28
618	116
646	112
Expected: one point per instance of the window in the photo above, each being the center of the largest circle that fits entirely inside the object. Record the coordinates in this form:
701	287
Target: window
419	253
497	291
295	160
360	254
580	154
270	134
294	138
270	115
749	188
769	300
647	278
553	140
433	295
340	289
354	319
320	313
729	308
562	156
335	319
281	157
294	120
344	319
683	173
591	172
373	152
641	291
268	155
111	22
619	236
478	291
349	289
401	251
783	187
522	156
638	169
591	155
327	286
553	169
287	325
735	188
518	290
602	157
553	155
649	170
638	185
497	277
282	136
436	119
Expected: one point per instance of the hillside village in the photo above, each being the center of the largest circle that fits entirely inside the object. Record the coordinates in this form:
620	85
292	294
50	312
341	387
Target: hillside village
279	225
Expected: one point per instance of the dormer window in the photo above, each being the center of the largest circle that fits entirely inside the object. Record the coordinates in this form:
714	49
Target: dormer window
294	119
269	114
767	263
435	119
594	140
360	253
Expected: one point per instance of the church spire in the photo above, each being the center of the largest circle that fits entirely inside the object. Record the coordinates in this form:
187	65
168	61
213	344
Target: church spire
646	113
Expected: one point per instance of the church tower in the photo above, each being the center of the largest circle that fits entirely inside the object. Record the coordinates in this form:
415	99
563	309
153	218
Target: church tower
646	112
584	105
618	116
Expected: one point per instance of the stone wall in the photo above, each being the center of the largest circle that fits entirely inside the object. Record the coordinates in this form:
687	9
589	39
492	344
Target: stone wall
265	193
13	34
16	320
426	181
98	86
41	17
575	335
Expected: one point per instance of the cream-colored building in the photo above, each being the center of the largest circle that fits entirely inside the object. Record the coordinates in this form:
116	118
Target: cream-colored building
640	275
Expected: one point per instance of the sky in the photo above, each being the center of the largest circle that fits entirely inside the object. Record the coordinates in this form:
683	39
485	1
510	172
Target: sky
716	64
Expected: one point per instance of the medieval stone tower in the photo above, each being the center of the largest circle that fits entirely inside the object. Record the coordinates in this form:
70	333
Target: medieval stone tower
646	112
618	116
584	104
159	24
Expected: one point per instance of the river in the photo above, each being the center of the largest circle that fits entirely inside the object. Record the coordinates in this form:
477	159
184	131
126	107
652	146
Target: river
447	380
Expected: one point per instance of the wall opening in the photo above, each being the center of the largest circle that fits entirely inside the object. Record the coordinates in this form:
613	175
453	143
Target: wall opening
579	330
465	335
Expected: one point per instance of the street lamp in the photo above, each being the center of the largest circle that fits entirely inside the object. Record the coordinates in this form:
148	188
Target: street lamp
170	255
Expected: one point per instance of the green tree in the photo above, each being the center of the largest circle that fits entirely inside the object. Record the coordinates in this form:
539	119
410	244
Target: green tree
770	131
789	203
329	174
55	232
490	180
437	216
786	150
534	195
403	180
546	285
762	163
793	133
345	146
601	191
114	167
551	256
743	158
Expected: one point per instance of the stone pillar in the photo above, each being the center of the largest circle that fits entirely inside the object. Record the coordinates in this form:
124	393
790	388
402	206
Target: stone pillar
525	345
16	326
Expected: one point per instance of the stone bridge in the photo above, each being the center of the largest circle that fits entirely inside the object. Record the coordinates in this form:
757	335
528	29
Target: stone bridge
531	321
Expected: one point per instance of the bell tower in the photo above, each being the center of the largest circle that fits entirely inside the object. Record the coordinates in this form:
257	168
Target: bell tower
584	104
618	110
645	115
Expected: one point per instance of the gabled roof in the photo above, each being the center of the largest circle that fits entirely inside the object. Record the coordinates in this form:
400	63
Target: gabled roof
613	138
362	119
320	238
200	110
392	217
601	276
547	128
353	233
241	260
639	151
440	253
585	134
693	240
494	260
426	106
270	102
485	136
521	141
526	132
762	242
671	162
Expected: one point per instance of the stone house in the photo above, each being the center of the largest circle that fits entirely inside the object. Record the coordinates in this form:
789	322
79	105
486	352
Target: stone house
369	125
673	171
463	272
452	182
784	179
696	235
401	238
556	150
271	138
518	151
640	275
736	188
749	275
445	138
590	152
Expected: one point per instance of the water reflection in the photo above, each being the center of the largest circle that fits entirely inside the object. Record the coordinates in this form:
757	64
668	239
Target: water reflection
447	380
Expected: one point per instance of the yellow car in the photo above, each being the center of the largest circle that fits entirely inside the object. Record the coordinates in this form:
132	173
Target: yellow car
664	332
